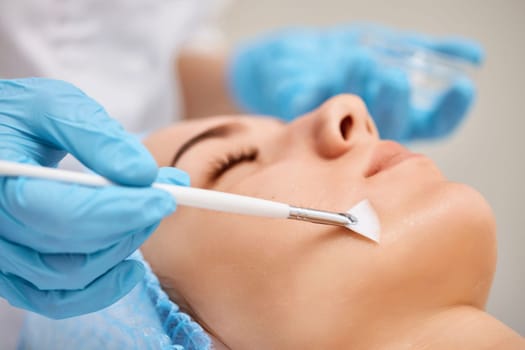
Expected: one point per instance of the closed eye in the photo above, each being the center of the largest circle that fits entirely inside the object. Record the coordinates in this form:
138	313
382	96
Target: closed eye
221	165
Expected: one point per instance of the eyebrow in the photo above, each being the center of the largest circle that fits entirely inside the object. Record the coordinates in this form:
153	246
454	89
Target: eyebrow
219	131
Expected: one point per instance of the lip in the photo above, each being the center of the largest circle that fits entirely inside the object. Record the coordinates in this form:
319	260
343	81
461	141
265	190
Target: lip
387	155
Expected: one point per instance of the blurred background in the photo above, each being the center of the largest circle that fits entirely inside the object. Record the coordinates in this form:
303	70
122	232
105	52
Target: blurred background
488	150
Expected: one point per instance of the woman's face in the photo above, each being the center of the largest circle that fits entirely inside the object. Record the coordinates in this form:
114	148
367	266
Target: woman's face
289	284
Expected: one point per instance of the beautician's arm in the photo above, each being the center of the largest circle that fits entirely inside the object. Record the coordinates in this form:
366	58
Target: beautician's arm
203	81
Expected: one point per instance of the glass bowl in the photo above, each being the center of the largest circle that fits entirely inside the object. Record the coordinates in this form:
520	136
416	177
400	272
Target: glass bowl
430	73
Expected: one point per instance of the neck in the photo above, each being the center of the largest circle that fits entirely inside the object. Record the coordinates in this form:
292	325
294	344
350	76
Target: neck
460	327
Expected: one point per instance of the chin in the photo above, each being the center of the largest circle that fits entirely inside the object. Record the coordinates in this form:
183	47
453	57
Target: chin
471	218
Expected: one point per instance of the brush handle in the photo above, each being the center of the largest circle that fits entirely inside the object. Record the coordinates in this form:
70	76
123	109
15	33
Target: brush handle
225	202
188	196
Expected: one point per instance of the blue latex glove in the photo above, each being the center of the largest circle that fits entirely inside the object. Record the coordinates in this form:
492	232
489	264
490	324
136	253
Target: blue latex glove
63	246
289	73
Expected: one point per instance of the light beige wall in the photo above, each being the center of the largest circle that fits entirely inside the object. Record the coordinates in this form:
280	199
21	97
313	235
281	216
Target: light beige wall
488	151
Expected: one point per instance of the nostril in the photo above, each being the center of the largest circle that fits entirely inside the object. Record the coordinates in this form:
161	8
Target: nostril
345	125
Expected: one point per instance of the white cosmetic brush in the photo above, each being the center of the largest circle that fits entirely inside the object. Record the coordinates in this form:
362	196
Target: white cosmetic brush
361	218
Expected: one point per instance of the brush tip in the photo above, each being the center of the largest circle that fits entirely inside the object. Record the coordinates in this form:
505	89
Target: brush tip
367	220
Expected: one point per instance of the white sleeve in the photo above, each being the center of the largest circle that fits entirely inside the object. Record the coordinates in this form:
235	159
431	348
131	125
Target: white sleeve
207	35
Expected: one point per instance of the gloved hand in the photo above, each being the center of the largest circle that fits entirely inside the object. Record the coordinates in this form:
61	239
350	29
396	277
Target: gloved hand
289	73
62	246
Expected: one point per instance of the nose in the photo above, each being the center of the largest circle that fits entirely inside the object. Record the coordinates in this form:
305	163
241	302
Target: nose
341	123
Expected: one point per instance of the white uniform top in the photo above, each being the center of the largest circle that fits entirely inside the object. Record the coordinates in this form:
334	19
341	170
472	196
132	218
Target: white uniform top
120	52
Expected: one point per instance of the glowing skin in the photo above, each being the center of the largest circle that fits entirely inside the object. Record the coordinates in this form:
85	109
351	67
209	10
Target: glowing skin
259	283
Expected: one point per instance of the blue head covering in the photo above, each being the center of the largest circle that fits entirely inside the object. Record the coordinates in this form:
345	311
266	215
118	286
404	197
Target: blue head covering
143	319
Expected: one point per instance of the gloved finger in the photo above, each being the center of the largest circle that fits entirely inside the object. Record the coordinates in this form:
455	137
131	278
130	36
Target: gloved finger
54	217
389	103
63	116
66	271
288	70
448	113
281	79
256	67
295	96
359	71
292	63
26	149
346	72
59	304
466	49
303	81
175	176
14	155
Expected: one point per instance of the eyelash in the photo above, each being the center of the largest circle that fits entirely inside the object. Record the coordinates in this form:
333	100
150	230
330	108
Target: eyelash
222	165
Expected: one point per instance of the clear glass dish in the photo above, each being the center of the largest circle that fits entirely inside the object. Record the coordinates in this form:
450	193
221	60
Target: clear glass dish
430	73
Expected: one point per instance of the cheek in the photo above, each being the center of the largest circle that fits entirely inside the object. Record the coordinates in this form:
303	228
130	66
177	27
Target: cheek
440	247
301	183
255	265
213	240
